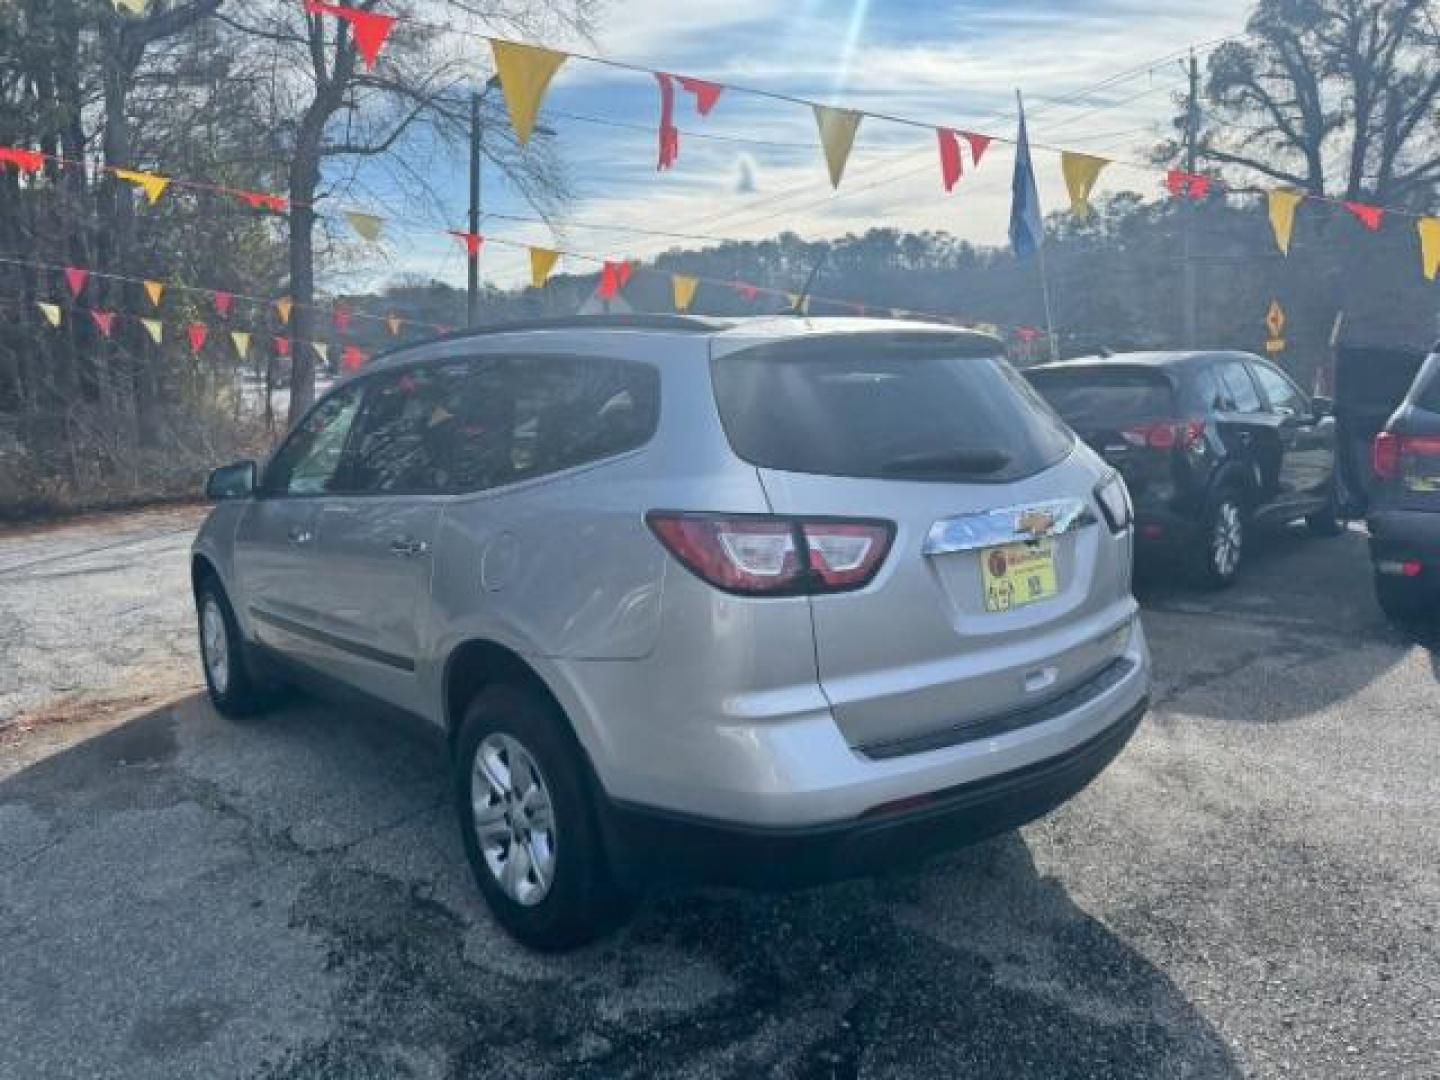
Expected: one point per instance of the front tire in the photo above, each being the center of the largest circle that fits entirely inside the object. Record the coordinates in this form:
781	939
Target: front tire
522	796
1220	551
224	657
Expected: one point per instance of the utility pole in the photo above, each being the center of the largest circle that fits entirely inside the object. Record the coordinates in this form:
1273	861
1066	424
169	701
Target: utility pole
477	135
1189	299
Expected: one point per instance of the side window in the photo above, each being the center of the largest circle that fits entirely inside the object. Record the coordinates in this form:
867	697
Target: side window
406	440
1239	387
307	463
1284	396
570	411
1203	391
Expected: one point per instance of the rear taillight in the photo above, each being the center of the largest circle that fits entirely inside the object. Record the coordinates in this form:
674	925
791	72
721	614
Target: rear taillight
1389	452
1167	434
764	555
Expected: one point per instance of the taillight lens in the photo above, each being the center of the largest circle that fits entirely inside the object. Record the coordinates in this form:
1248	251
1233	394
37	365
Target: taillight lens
1390	452
1167	434
763	555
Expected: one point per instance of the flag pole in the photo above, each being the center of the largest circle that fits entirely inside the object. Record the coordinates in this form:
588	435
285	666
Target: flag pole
1040	252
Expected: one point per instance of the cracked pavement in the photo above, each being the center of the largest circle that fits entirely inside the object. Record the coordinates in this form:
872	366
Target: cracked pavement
1252	889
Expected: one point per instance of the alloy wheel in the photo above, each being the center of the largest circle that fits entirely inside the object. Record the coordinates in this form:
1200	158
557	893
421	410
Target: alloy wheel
514	819
215	644
1227	539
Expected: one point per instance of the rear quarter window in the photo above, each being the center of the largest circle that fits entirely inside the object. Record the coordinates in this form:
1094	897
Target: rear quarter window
886	406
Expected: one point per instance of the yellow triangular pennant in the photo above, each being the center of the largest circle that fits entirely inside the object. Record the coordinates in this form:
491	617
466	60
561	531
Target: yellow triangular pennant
155	328
1429	228
152	184
154	290
1080	172
134	7
837	136
1283	202
241	338
367	225
542	261
684	288
50	311
525	72
394	322
282	307
322	350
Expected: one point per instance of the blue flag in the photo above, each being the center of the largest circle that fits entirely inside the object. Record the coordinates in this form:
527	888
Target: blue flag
1027	229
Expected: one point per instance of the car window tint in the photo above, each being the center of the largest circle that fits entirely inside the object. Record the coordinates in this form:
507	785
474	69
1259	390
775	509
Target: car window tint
482	422
1284	396
1095	397
1239	387
1428	385
886	406
1203	390
308	462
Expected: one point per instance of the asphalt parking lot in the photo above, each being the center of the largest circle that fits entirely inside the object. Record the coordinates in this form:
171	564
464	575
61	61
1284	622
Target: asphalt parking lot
1253	889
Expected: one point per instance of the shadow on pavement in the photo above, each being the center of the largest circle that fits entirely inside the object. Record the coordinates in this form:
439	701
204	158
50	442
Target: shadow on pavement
1300	631
287	898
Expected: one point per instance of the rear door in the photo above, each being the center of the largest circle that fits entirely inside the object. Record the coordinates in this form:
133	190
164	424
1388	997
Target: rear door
940	436
1250	434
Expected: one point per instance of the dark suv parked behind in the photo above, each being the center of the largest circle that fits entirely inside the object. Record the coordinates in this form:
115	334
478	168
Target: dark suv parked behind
1209	443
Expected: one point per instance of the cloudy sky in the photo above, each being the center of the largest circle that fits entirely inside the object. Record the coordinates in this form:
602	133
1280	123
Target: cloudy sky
952	63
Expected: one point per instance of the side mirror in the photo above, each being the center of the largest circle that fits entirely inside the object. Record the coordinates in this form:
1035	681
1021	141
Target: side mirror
1323	406
231	482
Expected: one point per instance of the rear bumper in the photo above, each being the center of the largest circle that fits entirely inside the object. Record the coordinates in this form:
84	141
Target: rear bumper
645	843
1405	534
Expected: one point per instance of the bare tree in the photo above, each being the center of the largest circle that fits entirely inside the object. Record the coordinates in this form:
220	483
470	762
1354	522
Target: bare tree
1338	97
330	106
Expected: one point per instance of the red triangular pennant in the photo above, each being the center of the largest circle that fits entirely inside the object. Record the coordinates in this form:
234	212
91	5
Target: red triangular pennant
105	320
223	302
282	346
472	241
624	270
24	160
951	167
669	133
706	93
749	292
341	316
76	277
370	28
351	358
198	332
978	145
1186	184
260	200
1369	216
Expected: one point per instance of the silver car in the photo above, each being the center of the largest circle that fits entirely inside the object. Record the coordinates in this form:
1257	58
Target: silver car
754	601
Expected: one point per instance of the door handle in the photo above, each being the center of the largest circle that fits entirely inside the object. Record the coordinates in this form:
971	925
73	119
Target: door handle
407	548
299	535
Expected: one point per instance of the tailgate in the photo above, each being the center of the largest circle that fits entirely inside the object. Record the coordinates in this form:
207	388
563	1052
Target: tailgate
964	620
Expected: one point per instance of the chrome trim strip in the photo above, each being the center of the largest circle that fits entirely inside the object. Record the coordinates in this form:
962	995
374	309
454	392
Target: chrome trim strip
992	528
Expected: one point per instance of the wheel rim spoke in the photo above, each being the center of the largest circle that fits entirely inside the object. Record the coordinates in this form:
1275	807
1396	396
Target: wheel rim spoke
514	819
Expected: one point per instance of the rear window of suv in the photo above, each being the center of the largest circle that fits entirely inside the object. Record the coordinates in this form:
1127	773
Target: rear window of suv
1089	398
888	406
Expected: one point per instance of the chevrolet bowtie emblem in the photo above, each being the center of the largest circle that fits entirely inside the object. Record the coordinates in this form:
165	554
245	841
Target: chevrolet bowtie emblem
1035	523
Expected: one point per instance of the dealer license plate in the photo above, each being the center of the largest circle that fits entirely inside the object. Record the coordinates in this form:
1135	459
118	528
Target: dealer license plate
1018	574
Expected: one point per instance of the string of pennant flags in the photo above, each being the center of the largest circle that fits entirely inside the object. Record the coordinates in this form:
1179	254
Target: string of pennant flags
526	71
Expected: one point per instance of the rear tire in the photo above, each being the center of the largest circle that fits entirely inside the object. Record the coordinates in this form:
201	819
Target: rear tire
224	656
1220	550
1404	601
523	799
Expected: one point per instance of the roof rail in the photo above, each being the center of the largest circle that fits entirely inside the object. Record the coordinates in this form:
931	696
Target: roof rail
694	324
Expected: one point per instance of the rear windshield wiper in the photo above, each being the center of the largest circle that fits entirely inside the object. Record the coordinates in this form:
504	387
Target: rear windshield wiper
978	461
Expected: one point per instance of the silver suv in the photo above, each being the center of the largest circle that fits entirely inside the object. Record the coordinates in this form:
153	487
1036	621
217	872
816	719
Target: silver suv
761	602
